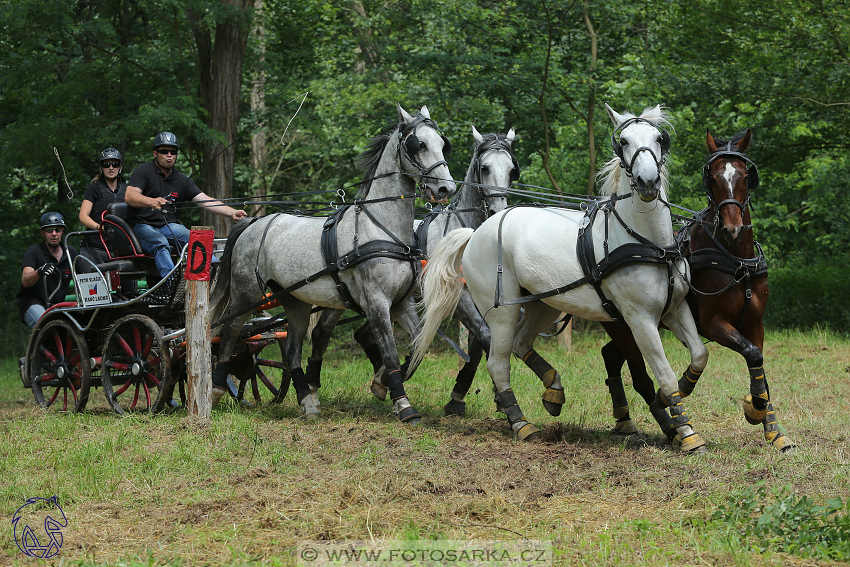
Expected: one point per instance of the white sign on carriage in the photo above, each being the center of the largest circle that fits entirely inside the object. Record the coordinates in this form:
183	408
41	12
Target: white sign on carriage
93	289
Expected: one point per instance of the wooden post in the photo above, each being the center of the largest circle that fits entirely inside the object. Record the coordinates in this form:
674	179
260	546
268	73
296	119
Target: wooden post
198	335
565	339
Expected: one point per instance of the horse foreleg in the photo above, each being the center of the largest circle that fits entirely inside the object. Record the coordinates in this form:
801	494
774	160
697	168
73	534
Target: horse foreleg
538	316
648	340
378	313
758	408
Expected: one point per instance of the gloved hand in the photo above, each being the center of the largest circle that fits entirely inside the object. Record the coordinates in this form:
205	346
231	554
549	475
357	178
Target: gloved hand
47	269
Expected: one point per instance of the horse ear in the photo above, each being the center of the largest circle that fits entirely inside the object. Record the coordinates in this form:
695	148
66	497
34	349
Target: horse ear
745	141
476	135
510	136
403	115
709	141
424	112
616	117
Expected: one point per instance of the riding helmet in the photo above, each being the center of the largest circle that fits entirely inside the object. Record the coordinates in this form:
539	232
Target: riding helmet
165	139
52	219
109	153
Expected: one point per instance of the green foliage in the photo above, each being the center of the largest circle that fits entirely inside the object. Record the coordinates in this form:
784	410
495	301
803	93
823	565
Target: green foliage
790	523
809	296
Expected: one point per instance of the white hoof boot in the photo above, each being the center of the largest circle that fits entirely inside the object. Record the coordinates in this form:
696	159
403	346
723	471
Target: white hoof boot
217	394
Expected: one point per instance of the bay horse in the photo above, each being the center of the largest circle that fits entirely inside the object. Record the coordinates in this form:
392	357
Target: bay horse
545	259
728	292
361	257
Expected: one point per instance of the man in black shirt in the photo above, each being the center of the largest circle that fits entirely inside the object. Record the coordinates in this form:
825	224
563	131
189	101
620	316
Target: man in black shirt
153	190
46	271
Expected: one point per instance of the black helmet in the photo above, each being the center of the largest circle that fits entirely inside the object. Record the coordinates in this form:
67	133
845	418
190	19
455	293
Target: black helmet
109	153
52	219
165	139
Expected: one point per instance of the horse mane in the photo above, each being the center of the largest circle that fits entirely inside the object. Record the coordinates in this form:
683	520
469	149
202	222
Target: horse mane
371	156
609	174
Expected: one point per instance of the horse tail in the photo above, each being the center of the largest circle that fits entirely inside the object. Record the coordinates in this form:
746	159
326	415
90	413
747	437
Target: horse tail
220	295
441	286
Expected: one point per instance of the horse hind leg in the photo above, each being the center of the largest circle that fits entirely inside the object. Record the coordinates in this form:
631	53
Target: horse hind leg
463	381
320	337
298	317
537	317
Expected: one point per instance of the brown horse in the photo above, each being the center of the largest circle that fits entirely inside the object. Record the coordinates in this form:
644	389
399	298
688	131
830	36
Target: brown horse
728	293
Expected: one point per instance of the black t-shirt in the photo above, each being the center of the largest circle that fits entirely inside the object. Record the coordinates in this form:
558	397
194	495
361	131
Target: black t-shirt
36	256
100	196
177	188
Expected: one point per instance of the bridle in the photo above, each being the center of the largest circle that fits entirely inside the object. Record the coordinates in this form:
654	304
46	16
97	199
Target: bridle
498	143
618	149
752	182
410	144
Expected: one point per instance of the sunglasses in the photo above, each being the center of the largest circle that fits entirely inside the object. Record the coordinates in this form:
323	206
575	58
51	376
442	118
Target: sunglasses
165	152
116	164
52	230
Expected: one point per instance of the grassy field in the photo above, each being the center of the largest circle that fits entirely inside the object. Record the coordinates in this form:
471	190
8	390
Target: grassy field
250	484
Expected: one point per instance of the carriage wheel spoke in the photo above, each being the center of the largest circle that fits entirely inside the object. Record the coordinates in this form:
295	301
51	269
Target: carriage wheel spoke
53	397
137	338
74	360
47	354
270	363
262	375
135	397
58	340
73	391
123	388
65	399
69	346
254	386
124	346
148	344
147	392
118	365
153	379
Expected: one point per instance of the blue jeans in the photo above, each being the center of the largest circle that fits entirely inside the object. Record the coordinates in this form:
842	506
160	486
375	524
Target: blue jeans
33	314
155	240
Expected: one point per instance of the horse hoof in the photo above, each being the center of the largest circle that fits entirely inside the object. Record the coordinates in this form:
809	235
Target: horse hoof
692	444
754	416
780	442
625	427
217	394
553	401
379	390
527	433
410	416
455	408
311	416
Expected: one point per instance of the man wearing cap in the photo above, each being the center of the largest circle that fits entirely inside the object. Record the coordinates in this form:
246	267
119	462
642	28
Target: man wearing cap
46	271
152	192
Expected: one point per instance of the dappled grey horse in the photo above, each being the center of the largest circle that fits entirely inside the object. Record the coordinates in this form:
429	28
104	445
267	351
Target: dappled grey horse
362	257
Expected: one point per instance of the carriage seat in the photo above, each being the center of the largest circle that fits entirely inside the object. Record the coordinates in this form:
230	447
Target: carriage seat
121	241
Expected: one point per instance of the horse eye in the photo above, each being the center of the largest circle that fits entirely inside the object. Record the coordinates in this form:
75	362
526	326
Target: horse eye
660	140
485	169
624	142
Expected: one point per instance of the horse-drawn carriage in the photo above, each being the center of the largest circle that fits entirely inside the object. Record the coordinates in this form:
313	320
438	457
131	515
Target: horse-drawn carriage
131	345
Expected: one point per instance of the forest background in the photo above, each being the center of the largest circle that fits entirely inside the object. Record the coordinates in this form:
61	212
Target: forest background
227	77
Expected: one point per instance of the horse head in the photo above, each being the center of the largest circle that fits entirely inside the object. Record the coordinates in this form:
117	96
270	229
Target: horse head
641	145
494	166
728	176
424	147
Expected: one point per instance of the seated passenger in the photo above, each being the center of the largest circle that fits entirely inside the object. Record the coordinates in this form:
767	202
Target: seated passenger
46	271
156	184
107	187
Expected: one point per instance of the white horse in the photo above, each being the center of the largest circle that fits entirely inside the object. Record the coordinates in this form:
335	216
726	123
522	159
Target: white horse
617	260
362	257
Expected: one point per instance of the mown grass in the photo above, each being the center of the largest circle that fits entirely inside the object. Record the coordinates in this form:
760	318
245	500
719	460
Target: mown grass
247	486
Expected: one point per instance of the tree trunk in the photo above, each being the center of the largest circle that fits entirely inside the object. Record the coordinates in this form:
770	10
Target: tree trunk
220	64
259	151
591	103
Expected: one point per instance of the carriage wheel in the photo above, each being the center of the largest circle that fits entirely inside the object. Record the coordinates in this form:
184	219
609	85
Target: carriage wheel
60	367
135	364
253	368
